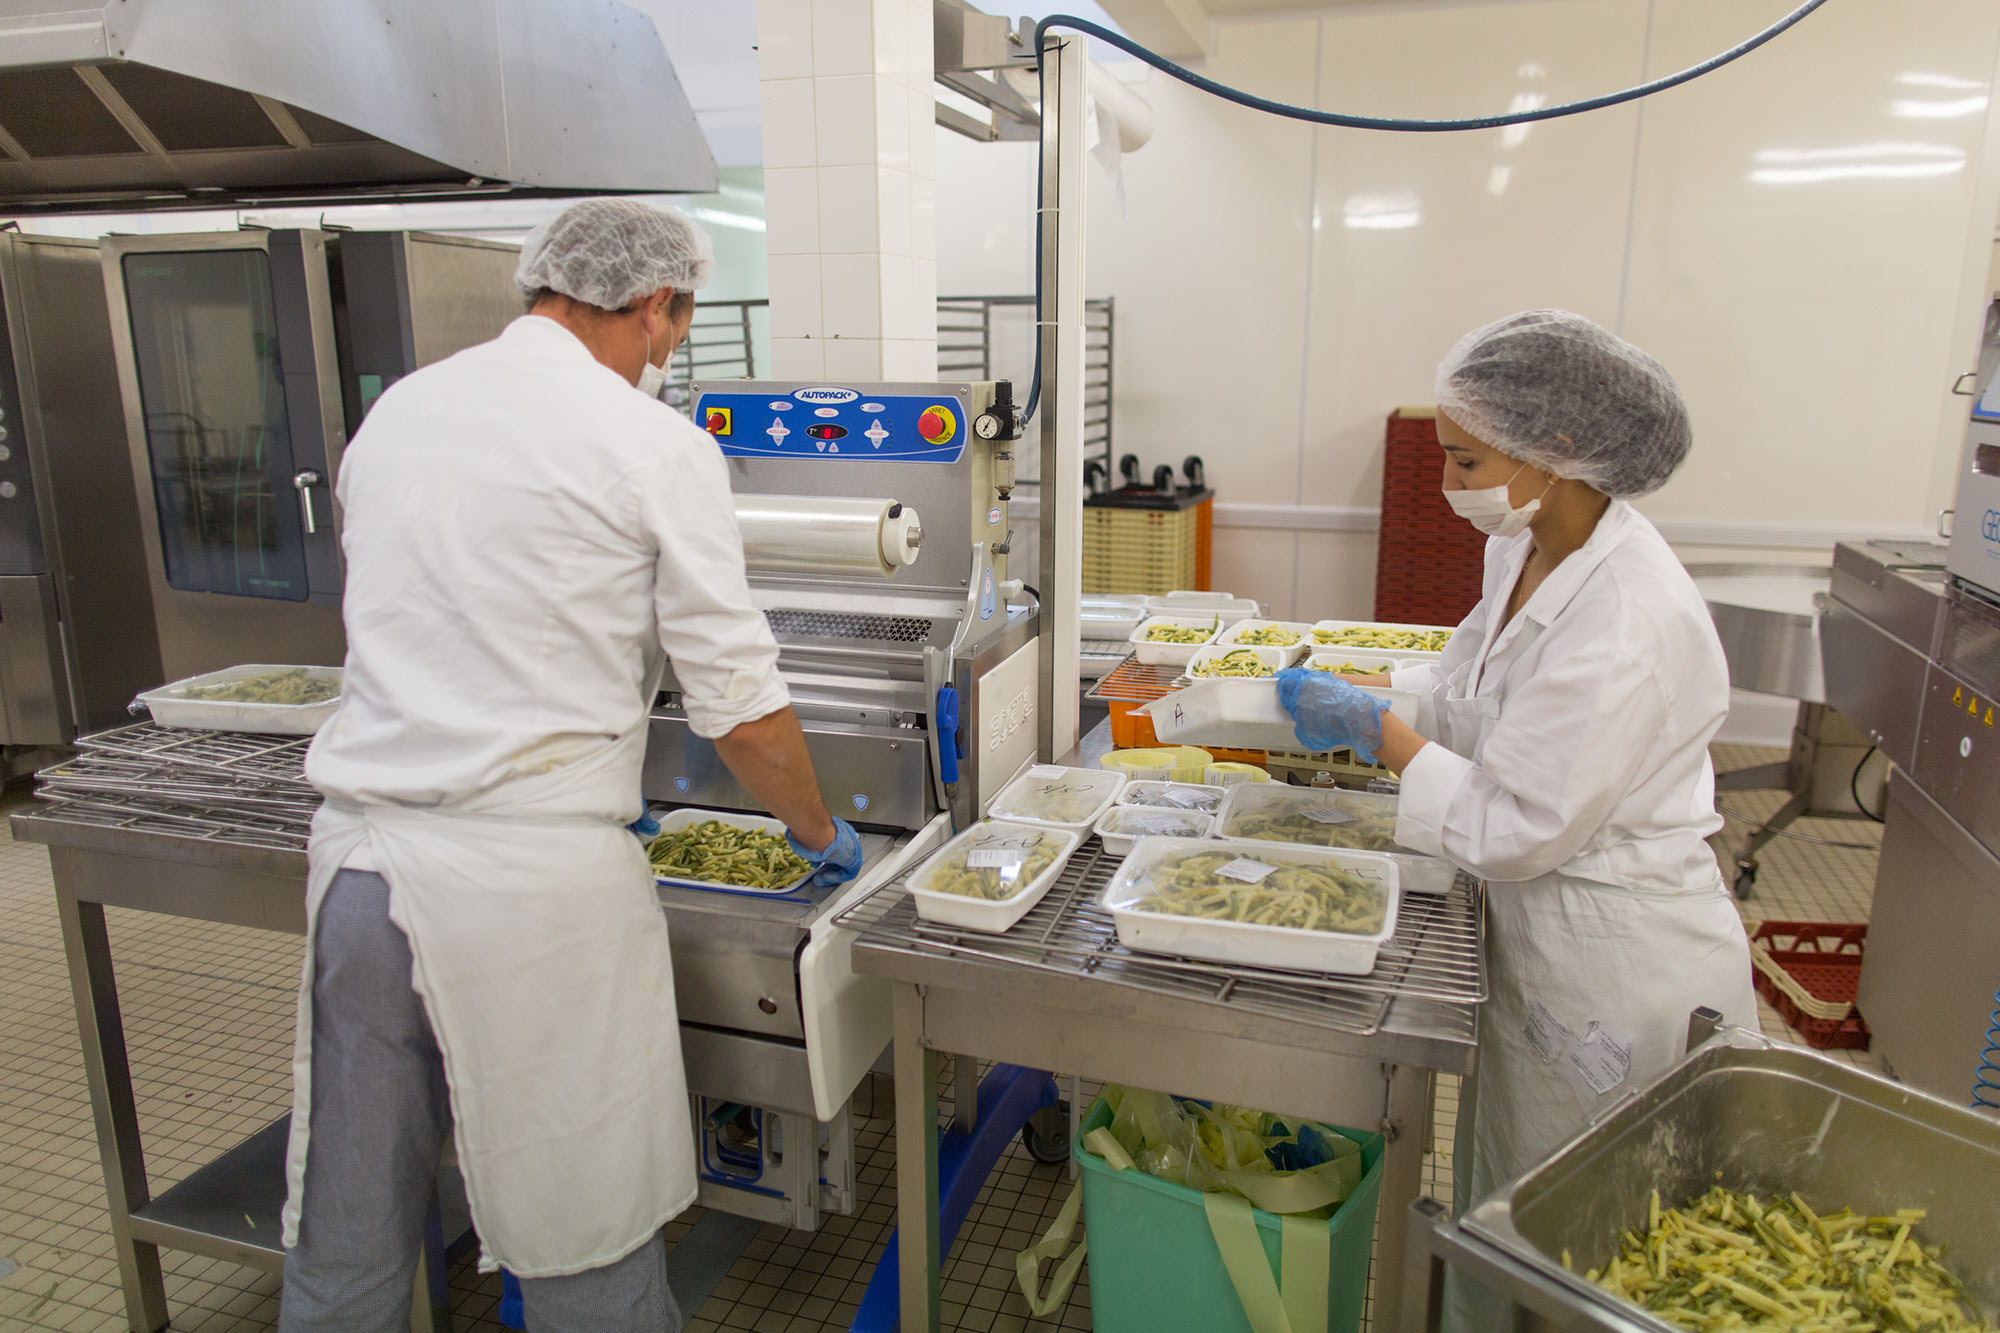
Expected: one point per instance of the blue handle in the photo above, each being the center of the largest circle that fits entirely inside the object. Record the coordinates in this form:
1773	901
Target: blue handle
947	741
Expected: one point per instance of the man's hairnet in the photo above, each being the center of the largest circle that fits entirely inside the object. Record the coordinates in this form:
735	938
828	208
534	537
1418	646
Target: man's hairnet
1558	392
610	252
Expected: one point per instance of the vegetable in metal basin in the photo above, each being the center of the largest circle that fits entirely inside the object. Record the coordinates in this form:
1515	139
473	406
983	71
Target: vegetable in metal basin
1732	1261
294	686
995	867
1178	634
718	853
1376	636
1296	897
1242	663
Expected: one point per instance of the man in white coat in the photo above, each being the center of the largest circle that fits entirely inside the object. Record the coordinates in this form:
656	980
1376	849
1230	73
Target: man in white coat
528	531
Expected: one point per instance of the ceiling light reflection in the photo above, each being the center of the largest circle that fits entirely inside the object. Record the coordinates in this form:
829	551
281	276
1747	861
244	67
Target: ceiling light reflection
1910	109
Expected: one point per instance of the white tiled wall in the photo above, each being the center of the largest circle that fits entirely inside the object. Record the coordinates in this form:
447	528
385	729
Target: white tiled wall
849	199
1802	237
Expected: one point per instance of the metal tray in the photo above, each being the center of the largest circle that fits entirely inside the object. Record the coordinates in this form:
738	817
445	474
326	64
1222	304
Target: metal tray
1771	1118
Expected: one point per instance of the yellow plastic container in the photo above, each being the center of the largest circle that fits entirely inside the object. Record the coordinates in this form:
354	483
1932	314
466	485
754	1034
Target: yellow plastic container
1142	765
1222	774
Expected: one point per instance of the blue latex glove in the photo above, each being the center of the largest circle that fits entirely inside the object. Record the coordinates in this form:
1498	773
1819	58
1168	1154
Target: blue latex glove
1330	714
645	828
839	861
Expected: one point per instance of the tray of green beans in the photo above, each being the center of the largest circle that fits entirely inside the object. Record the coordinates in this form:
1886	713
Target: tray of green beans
716	849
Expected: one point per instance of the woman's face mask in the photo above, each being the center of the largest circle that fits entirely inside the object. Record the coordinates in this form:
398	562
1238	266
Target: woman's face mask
1492	510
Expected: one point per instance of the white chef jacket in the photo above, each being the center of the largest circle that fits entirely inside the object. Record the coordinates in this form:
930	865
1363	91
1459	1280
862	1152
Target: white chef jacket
524	534
1582	732
1572	774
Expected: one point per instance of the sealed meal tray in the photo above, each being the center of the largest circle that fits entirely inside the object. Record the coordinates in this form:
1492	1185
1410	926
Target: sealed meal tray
1070	798
1198	797
1122	825
991	875
256	697
1257	903
1329	817
722	850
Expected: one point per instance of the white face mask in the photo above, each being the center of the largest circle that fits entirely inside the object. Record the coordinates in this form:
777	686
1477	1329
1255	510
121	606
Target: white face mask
652	378
1492	510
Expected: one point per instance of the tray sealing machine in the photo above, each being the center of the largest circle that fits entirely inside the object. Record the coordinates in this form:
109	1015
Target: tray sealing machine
875	517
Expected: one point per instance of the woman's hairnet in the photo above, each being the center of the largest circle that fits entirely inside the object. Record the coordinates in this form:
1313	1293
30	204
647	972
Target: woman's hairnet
610	252
1558	392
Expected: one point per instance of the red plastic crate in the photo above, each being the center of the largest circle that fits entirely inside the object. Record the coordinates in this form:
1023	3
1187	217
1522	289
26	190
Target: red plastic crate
1824	958
1429	562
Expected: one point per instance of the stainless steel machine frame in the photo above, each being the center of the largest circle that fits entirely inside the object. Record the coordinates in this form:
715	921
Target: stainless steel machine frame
76	622
297	340
1769	1117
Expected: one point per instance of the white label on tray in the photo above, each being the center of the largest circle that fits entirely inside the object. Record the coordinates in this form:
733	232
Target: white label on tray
994	858
1250	872
1326	814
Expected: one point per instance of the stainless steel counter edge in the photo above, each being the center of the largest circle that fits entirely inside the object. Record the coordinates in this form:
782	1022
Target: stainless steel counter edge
46	825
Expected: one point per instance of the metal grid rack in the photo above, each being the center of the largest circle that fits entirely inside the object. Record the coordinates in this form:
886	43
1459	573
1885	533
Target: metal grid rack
1436	953
210	785
965	341
1134	682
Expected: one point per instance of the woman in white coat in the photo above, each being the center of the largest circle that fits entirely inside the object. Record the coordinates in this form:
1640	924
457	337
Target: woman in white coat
526	538
1562	751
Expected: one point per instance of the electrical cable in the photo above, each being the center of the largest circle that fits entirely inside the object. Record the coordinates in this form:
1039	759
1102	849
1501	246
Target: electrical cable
1758	826
1854	786
1986	1082
1395	124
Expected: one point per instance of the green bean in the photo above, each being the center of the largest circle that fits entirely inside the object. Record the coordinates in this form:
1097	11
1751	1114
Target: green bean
718	853
293	686
1242	662
1345	668
1366	831
1377	636
1270	636
993	883
1297	897
1178	634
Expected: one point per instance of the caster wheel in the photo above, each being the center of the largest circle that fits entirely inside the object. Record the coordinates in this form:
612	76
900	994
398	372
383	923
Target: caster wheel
1746	878
1046	1135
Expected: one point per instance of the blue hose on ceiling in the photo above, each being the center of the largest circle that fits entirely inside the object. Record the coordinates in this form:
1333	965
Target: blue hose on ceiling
1345	121
1986	1083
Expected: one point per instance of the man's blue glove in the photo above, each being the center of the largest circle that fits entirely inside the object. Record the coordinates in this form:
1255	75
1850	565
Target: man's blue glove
839	861
1329	714
645	828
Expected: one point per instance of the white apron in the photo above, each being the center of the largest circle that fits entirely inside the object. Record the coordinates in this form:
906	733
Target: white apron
1589	989
540	953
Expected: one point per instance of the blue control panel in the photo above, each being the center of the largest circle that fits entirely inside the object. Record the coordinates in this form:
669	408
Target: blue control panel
836	424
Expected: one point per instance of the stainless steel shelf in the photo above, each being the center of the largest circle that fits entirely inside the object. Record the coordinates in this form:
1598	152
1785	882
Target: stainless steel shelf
1436	956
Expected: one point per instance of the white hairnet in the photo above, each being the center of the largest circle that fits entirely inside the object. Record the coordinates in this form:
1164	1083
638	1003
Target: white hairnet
610	252
1558	392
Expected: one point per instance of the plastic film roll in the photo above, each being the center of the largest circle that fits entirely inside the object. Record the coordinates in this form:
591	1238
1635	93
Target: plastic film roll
802	534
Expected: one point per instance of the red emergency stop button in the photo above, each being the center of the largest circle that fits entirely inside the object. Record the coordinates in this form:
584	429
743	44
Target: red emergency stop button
717	421
937	425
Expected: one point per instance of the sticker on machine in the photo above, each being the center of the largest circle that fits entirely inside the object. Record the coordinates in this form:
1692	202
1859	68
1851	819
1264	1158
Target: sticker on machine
1598	1061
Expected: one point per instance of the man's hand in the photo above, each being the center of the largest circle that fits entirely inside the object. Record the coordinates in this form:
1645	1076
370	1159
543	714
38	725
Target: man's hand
836	862
769	758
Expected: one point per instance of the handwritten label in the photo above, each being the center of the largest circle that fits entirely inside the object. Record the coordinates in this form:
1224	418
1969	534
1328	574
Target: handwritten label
1598	1060
1246	870
1326	814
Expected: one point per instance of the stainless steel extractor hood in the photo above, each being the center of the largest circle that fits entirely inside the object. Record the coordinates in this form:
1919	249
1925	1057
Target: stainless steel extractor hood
142	104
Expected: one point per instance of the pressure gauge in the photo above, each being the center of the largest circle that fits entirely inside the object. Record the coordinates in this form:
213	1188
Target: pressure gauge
988	426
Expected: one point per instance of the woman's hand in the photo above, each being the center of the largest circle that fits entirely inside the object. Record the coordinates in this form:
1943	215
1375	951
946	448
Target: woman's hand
1330	714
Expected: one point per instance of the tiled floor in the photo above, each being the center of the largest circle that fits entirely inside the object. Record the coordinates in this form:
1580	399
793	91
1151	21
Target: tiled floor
208	1017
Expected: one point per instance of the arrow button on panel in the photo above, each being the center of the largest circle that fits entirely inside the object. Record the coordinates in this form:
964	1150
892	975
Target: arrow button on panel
875	433
776	430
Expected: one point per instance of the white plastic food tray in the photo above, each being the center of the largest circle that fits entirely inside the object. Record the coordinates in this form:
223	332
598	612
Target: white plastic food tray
1243	715
1023	799
1242	942
676	820
1233	637
1172	654
1365	658
1112	617
1275	658
1123	825
1197	797
1420	874
171	707
1183	602
1408	654
994	916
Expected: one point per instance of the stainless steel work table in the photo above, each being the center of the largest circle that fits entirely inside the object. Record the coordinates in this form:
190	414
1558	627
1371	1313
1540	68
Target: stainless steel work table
244	873
1057	992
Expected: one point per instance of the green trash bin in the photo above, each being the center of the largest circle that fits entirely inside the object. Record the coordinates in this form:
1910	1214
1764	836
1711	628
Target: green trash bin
1154	1265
